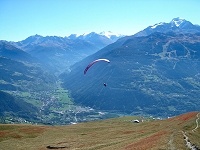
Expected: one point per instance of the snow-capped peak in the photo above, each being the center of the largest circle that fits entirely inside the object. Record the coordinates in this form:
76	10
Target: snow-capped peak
157	24
108	34
177	21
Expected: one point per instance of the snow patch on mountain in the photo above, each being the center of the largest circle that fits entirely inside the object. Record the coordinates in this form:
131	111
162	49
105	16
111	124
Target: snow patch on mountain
108	34
157	24
177	21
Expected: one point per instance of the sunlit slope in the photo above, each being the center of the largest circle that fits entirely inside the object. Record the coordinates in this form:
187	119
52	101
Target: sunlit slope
118	133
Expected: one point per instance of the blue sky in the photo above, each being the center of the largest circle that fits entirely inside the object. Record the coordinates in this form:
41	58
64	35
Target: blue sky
22	18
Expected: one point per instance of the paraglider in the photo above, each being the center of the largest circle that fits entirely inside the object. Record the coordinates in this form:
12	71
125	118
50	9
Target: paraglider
92	63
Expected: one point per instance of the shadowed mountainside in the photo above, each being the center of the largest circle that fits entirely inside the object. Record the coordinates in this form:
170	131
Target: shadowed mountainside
157	74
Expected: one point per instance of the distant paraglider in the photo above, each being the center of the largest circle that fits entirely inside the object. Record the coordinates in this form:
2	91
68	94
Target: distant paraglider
104	84
92	63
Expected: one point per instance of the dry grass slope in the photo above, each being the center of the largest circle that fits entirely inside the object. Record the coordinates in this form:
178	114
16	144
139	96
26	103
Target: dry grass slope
111	134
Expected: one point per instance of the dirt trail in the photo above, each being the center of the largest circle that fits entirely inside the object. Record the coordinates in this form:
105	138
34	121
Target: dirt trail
196	123
188	143
171	145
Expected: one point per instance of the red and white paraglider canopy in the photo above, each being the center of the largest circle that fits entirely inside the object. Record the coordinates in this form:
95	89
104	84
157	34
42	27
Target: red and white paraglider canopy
95	61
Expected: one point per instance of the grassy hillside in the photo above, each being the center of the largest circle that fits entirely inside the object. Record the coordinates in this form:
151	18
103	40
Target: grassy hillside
112	134
21	76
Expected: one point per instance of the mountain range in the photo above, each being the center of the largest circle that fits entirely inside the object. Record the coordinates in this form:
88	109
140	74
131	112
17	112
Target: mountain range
156	74
29	70
99	39
61	52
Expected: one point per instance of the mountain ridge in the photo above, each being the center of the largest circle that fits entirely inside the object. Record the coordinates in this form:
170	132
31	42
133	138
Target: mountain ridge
62	52
175	25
